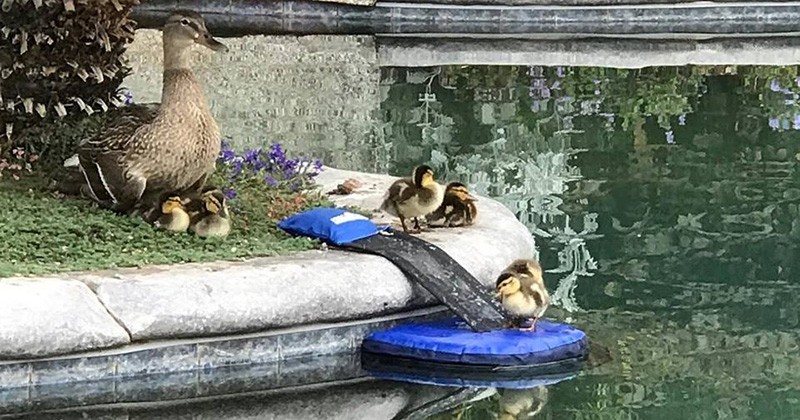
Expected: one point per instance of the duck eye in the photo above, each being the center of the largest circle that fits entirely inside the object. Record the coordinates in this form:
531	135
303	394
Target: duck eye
185	22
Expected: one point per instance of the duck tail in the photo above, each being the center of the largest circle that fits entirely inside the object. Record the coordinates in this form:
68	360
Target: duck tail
72	162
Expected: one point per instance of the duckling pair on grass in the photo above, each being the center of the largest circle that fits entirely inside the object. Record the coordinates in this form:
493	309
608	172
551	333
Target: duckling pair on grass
421	196
521	290
205	214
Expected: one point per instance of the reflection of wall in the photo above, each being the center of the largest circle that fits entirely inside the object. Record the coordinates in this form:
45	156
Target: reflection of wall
318	93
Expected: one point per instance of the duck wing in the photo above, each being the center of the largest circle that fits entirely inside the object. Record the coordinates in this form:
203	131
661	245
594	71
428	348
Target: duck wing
120	126
102	158
399	192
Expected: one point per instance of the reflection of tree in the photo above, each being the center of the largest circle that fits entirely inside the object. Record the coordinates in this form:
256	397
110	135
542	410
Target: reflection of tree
676	191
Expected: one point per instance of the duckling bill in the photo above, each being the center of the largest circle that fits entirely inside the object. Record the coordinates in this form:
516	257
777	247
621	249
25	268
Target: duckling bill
521	290
413	197
458	208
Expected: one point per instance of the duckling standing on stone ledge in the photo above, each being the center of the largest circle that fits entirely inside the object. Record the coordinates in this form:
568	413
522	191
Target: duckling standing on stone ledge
413	197
210	214
174	217
457	209
521	290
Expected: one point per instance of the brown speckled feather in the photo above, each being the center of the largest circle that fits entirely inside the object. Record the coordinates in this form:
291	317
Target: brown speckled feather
142	151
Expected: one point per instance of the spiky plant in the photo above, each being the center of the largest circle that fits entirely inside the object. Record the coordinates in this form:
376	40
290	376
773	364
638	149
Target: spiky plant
60	60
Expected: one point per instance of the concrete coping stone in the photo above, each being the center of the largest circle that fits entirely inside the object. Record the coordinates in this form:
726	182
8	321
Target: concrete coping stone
79	312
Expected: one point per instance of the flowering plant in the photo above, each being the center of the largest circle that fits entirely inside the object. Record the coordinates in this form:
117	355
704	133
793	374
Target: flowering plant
271	167
264	183
18	162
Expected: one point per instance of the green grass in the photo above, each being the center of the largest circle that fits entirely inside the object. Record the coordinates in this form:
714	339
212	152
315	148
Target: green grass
40	233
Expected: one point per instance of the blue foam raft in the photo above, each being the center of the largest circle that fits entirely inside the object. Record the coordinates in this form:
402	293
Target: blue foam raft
451	341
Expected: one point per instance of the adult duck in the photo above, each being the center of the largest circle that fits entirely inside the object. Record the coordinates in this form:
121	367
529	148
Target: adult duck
144	151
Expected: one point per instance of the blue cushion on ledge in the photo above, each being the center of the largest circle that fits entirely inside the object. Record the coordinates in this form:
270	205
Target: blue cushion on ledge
337	226
452	341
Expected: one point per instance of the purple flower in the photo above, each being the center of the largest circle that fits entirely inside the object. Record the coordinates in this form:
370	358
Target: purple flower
796	124
785	124
251	155
535	71
229	193
236	168
682	119
318	165
536	105
561	73
797	81
270	181
775	85
670	137
774	123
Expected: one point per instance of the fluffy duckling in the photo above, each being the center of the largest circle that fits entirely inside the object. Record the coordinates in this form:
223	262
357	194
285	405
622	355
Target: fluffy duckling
174	216
521	291
210	214
413	197
457	209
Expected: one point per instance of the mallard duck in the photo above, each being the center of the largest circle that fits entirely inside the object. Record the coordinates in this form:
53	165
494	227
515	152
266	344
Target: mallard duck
174	216
522	292
457	209
413	197
210	215
145	150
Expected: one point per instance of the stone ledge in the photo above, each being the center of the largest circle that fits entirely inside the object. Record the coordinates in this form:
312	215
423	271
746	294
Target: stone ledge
39	317
609	17
219	298
197	368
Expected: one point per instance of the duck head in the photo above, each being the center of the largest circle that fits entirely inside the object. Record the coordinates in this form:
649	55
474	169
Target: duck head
423	176
185	28
459	190
215	202
527	267
507	284
172	204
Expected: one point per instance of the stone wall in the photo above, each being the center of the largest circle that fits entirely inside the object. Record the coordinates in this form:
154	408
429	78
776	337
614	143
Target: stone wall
305	92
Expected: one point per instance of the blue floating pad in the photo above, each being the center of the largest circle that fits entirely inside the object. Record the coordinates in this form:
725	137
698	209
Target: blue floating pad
332	225
452	341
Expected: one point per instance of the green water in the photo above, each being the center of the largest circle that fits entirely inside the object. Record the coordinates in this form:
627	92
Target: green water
664	203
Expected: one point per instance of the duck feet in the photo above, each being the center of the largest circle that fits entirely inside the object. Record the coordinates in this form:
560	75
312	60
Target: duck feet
532	327
415	230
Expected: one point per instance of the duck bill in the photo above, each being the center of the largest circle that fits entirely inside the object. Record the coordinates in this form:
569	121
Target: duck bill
212	43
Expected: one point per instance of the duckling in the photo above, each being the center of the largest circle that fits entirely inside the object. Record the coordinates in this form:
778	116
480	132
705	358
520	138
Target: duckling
522	403
174	216
521	290
457	209
413	197
210	215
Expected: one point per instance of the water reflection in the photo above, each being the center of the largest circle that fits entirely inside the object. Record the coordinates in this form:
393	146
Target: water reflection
664	202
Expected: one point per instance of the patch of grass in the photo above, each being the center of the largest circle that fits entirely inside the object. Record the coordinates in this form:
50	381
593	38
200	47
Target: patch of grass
40	233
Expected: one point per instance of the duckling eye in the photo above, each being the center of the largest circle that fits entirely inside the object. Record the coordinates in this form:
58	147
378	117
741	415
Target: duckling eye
185	22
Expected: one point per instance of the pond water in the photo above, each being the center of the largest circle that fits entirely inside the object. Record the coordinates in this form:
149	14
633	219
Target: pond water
664	203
